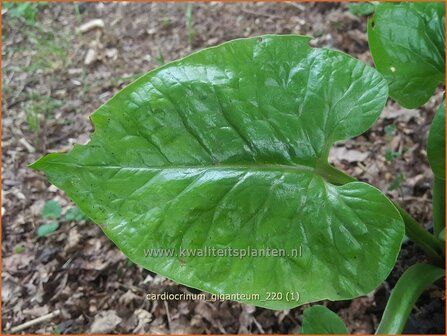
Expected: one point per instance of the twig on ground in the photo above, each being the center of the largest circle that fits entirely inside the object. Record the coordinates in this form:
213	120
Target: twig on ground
38	320
168	315
296	5
258	325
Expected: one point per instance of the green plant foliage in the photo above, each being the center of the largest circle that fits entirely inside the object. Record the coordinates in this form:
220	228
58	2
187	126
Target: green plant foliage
19	249
322	321
407	43
390	155
39	107
227	148
362	8
396	182
436	157
52	209
390	130
74	215
404	295
26	10
441	235
46	229
436	143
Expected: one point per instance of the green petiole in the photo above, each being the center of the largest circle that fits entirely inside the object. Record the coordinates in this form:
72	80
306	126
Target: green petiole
405	294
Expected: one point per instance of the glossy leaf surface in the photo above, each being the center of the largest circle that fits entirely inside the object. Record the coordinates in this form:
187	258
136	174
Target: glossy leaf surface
407	43
319	320
404	295
227	148
436	143
436	157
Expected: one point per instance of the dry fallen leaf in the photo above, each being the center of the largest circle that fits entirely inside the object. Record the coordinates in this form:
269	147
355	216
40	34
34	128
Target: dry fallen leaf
36	311
72	240
338	154
105	322
128	297
399	113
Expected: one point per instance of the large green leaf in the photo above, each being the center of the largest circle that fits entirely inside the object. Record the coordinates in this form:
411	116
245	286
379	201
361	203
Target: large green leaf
319	320
227	148
407	43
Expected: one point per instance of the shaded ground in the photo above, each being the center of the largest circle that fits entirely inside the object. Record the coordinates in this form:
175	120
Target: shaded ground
54	78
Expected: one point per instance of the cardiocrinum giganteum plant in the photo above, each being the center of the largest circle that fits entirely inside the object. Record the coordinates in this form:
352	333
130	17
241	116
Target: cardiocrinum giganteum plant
407	42
227	150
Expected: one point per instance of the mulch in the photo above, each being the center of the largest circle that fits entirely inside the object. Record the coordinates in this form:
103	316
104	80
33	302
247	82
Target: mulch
65	76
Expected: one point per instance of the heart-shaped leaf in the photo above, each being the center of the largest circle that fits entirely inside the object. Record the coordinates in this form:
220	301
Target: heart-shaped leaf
407	43
227	149
319	320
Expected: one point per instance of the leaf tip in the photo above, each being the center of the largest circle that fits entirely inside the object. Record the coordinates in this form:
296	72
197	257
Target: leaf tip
43	162
36	165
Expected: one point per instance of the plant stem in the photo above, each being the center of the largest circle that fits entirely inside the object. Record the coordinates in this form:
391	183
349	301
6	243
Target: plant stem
405	294
421	237
438	205
335	176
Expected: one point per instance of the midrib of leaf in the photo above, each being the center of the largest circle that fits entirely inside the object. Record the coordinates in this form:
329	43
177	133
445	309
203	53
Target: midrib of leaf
291	168
322	168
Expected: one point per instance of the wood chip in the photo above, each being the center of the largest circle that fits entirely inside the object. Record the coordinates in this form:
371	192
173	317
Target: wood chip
90	57
338	154
105	322
97	23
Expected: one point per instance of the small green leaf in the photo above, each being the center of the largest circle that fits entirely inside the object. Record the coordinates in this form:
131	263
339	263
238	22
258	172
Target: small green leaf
52	209
74	215
46	229
27	10
227	149
390	155
436	143
320	320
390	129
396	182
407	43
19	249
57	330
